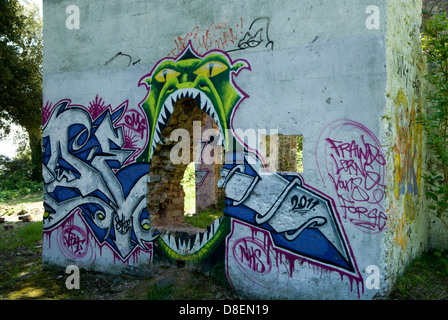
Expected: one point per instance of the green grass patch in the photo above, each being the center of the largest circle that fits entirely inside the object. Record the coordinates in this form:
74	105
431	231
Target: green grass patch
191	285
27	235
204	218
426	278
22	197
155	293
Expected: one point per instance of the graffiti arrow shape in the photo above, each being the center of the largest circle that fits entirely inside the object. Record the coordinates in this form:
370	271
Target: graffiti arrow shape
283	205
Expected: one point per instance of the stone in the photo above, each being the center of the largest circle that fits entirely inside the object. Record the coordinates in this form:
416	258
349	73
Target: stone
153	178
25	218
117	285
131	272
165	282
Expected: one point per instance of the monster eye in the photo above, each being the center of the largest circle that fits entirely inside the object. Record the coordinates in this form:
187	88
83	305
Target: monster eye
100	215
211	69
145	224
166	74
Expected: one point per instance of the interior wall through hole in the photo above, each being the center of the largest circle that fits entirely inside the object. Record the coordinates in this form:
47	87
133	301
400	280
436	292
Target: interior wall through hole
284	151
167	197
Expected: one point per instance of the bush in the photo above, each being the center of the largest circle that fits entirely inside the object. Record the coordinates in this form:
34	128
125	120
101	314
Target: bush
15	178
435	120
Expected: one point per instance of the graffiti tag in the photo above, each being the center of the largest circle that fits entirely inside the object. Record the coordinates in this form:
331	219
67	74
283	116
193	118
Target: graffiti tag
74	241
355	167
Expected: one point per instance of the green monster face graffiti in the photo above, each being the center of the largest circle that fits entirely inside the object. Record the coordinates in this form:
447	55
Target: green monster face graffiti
207	80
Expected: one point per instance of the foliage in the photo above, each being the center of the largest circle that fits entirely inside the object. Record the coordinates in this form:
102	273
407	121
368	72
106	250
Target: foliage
424	279
435	120
27	236
299	154
21	74
188	183
15	177
204	218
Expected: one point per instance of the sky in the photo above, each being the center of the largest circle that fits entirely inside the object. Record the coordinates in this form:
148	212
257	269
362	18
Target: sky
39	4
7	145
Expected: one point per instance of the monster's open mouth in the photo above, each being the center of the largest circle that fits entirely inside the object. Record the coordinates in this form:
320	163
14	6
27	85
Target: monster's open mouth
202	102
182	109
187	244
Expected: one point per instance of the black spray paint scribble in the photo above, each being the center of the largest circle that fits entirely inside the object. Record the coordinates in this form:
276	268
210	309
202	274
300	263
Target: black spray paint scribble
257	34
119	54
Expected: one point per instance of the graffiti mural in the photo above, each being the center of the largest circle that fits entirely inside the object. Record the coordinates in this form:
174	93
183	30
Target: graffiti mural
96	167
226	37
88	164
356	169
408	157
299	219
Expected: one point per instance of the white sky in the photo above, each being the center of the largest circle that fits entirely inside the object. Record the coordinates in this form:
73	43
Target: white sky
7	145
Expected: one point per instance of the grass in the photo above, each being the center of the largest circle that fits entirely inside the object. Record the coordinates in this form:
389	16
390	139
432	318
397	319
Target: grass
155	293
31	192
27	236
191	285
23	198
201	219
205	218
426	278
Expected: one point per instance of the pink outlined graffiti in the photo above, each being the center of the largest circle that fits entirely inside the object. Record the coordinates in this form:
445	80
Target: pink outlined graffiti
136	122
73	241
263	263
97	107
350	159
133	122
78	241
46	112
94	158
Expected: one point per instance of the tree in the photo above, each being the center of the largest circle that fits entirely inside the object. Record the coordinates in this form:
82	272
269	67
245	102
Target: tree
21	74
435	120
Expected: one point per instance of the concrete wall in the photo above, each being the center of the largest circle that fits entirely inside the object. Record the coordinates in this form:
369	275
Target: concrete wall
332	72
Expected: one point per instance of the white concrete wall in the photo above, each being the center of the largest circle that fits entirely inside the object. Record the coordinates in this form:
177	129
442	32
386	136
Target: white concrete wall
408	228
325	75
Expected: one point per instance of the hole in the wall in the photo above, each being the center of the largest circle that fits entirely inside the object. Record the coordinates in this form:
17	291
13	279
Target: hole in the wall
283	152
175	198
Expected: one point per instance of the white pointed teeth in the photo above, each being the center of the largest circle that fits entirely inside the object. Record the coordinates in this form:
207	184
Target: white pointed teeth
202	101
191	244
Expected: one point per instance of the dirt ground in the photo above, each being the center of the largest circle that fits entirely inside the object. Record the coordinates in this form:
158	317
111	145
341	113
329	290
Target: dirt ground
22	275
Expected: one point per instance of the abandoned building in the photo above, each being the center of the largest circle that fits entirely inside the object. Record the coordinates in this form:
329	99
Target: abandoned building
293	124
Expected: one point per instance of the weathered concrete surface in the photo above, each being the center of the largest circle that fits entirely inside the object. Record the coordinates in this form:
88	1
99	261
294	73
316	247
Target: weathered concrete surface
346	75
